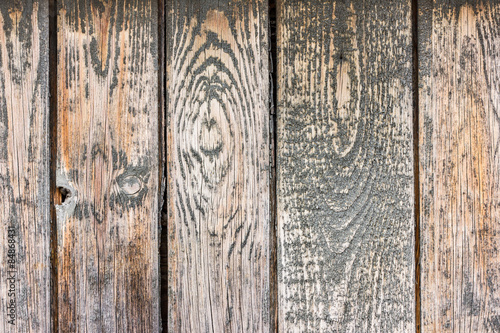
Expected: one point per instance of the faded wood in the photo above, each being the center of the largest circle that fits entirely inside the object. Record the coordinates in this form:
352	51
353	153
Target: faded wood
345	167
24	167
459	96
218	166
107	166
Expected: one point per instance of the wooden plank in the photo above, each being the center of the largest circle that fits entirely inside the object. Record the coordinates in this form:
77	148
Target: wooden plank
218	165
345	166
24	167
107	166
459	96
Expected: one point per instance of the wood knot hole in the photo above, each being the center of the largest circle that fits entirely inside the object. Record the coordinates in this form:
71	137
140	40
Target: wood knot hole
62	195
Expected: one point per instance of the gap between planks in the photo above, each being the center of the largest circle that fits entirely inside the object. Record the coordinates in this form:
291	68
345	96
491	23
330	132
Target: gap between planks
416	160
273	57
53	158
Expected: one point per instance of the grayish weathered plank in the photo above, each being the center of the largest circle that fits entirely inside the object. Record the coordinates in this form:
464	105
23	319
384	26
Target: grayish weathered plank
218	159
459	96
345	166
24	167
107	166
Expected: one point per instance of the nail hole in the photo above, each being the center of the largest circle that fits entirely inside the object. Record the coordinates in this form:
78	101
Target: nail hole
62	194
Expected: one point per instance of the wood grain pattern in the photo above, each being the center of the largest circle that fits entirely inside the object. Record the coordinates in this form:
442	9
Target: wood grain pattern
24	167
107	166
459	70
345	167
218	166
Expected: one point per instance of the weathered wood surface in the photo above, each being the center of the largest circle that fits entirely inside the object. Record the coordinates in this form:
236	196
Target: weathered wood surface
345	167
107	166
218	165
24	167
459	80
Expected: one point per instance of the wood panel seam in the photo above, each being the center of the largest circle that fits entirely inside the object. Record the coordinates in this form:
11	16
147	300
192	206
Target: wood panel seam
273	56
416	161
53	159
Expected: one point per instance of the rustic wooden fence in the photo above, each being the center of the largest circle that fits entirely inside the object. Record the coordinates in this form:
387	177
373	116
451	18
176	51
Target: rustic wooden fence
249	166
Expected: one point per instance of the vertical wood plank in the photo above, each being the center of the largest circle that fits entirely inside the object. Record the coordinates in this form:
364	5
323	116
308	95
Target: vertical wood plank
24	167
459	74
345	166
107	166
218	165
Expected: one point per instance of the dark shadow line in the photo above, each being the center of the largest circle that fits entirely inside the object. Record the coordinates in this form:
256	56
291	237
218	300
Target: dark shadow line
416	160
273	242
53	160
162	195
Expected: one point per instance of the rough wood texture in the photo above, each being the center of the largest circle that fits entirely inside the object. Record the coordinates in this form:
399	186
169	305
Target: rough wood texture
24	167
345	167
107	166
218	160
459	98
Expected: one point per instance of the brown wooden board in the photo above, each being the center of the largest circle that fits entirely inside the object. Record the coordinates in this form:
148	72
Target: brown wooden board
345	166
107	166
218	166
24	167
459	97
